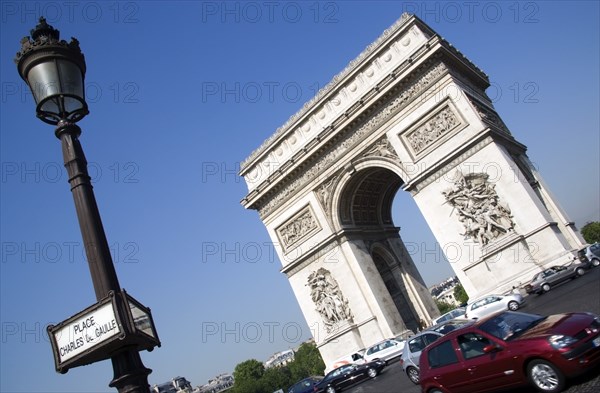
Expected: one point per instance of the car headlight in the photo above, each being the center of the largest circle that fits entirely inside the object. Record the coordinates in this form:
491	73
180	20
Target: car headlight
559	341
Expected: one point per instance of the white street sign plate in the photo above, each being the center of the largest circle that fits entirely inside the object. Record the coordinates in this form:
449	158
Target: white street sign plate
86	332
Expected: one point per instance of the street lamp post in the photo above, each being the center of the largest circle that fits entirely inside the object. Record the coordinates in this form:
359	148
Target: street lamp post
55	72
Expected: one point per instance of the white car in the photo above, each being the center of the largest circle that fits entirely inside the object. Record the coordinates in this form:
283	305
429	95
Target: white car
384	350
490	304
353	358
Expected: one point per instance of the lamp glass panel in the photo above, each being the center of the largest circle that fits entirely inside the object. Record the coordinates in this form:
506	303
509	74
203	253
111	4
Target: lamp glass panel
50	80
71	104
71	84
51	105
43	82
141	319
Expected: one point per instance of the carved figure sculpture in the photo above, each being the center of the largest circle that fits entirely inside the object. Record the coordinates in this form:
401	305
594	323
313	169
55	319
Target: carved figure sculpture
296	229
436	127
479	208
328	298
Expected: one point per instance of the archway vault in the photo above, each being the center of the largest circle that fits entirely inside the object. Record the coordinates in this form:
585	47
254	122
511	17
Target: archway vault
410	112
367	198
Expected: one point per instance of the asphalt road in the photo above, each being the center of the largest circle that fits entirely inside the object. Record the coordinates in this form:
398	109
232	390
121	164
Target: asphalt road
581	294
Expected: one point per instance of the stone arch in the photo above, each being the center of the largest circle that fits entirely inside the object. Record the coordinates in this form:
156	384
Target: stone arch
410	112
386	173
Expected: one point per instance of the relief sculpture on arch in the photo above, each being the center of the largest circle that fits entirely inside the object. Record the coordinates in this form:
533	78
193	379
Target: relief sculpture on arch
328	298
478	207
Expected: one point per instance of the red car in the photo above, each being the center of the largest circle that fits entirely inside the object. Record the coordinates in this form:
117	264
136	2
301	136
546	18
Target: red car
512	349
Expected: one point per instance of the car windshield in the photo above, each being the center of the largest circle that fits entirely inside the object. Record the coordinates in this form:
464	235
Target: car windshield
509	325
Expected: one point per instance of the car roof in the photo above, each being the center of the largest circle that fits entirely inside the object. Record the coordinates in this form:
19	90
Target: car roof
432	329
451	311
381	342
422	332
472	323
483	297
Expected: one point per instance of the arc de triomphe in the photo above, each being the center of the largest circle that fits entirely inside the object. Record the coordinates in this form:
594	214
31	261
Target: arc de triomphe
409	113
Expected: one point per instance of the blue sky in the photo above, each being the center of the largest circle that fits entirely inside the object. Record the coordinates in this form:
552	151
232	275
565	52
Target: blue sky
179	94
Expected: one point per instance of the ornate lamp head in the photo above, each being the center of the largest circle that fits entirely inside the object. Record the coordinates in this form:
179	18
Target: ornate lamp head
55	73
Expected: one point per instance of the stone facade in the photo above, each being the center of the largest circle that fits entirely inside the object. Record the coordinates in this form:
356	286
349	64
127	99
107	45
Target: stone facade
409	113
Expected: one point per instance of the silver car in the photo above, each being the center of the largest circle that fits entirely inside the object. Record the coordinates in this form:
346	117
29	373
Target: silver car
490	304
415	344
554	275
385	350
456	313
593	254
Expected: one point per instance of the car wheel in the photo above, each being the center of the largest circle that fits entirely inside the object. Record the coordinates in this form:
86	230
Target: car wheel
372	373
513	306
330	389
580	271
595	262
545	288
413	375
435	391
545	376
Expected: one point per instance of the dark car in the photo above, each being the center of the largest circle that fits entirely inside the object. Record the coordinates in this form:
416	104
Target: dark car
512	349
305	385
554	275
348	375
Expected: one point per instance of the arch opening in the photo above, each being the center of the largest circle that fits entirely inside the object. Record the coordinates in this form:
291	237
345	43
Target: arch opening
366	210
366	200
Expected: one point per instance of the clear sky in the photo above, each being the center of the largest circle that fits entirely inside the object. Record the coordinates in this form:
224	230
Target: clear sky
179	94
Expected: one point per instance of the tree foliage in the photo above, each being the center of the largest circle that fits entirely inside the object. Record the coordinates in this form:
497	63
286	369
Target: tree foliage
444	307
460	294
276	378
591	232
248	375
307	362
252	377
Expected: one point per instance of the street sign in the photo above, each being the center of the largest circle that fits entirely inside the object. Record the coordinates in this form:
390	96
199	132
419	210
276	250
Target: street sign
84	333
102	330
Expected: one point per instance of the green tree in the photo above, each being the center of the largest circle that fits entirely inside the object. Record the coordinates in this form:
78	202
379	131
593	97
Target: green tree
444	307
307	362
252	377
276	378
460	294
248	375
591	232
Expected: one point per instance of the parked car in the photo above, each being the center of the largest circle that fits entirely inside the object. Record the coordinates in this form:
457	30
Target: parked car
385	350
489	304
590	254
414	345
348	375
305	385
458	312
554	275
356	357
510	349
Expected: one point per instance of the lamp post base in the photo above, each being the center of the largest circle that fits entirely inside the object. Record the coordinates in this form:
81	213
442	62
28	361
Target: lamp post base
131	376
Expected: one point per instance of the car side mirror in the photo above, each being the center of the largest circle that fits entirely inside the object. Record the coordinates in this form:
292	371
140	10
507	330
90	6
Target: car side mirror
491	348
